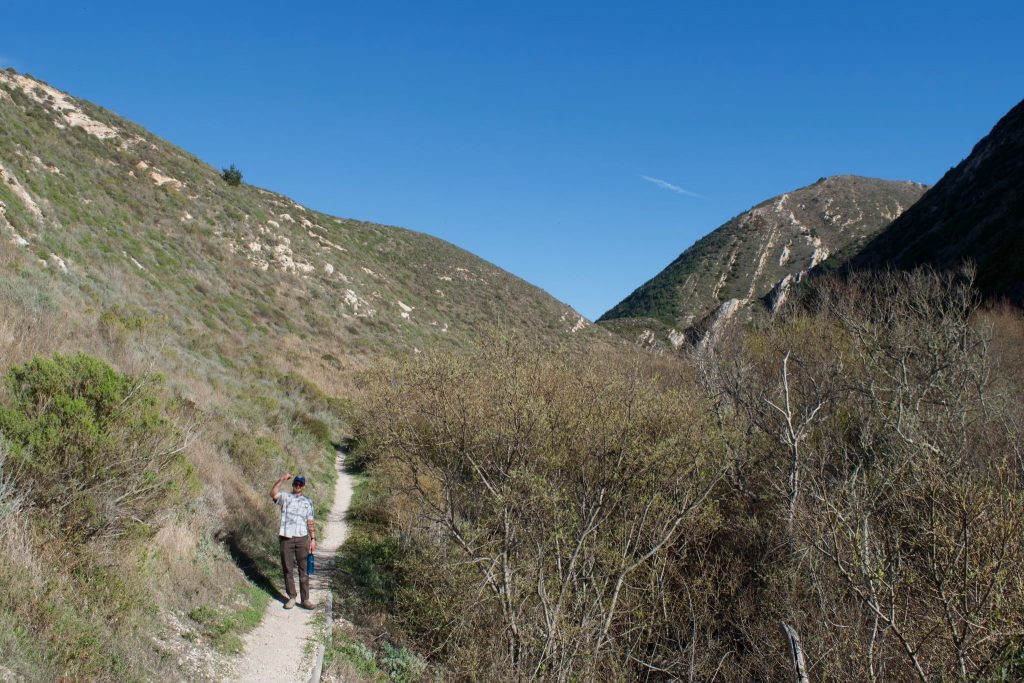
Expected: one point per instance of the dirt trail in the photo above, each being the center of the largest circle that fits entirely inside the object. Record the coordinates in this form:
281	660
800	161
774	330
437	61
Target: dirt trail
281	648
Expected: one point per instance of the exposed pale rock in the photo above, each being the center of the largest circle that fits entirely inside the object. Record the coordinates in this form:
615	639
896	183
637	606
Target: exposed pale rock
69	113
725	271
139	140
722	315
821	252
282	253
324	242
360	307
160	180
581	323
19	191
136	263
58	263
763	258
780	292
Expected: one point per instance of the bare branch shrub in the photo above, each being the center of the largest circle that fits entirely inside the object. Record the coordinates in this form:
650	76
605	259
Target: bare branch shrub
554	495
850	470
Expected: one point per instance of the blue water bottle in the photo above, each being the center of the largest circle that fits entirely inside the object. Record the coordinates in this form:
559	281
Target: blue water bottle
309	565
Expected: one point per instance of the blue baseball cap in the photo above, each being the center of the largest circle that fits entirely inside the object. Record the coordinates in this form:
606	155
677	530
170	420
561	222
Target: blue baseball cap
299	479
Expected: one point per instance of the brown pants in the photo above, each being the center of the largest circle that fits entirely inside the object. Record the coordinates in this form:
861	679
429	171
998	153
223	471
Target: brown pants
294	552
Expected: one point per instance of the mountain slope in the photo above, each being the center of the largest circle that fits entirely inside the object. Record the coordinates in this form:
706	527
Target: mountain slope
976	211
223	324
747	256
124	217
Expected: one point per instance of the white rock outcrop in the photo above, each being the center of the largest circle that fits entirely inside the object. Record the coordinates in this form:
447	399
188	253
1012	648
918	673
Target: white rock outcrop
68	112
676	338
18	190
360	307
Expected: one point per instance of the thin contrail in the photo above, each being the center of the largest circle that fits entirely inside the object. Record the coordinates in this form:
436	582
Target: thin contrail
664	184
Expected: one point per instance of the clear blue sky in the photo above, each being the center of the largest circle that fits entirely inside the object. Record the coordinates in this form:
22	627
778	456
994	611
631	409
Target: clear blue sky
522	131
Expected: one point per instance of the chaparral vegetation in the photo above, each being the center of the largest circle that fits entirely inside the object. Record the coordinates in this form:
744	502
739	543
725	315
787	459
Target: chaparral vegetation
837	492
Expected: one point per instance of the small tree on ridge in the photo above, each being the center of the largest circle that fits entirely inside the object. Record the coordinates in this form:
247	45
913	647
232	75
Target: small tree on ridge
231	175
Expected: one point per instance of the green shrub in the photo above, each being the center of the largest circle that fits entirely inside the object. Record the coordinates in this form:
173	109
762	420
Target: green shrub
371	562
95	446
315	426
1009	662
256	455
359	457
402	665
357	654
231	175
224	626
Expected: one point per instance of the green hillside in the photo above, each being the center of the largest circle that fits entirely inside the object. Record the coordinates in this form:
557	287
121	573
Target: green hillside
123	216
170	343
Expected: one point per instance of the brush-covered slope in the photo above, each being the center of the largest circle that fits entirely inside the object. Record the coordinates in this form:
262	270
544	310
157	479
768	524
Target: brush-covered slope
164	332
128	219
976	212
746	257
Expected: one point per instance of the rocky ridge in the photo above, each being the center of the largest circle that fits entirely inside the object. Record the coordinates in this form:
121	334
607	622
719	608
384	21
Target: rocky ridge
759	255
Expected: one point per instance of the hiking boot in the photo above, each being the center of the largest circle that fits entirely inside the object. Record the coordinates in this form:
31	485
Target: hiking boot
306	604
290	603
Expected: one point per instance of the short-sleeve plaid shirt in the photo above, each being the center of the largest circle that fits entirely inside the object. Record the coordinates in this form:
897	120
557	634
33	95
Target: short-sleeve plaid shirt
295	511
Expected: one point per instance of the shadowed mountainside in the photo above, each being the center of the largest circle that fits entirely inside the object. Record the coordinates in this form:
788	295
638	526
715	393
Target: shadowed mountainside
976	212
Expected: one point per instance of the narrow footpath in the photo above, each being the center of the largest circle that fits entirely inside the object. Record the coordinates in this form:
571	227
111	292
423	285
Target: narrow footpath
283	646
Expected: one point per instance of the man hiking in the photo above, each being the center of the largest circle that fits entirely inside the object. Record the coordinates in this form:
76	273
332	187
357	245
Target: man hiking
296	535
